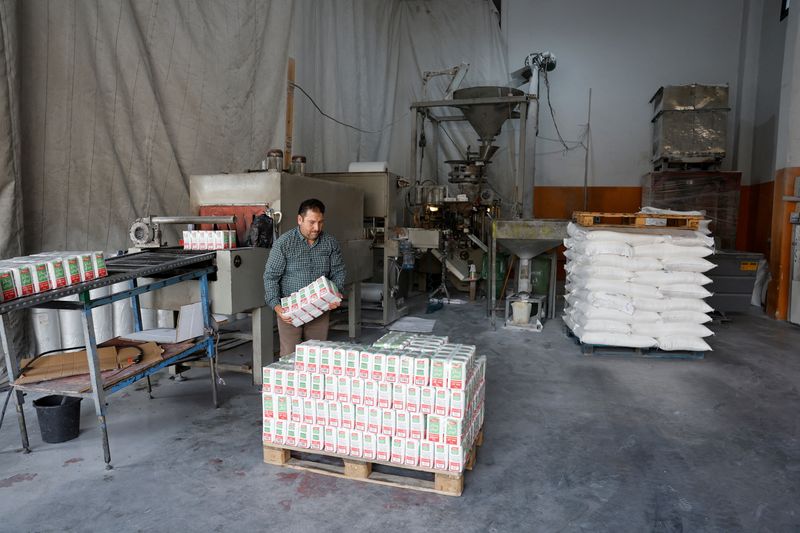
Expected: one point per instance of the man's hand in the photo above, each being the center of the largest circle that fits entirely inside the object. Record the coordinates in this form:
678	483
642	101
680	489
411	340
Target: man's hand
337	304
279	312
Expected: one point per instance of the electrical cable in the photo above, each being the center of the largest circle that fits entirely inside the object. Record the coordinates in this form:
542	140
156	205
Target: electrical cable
326	115
553	114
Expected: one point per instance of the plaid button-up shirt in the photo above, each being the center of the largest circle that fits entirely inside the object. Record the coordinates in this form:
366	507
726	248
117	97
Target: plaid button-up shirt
293	264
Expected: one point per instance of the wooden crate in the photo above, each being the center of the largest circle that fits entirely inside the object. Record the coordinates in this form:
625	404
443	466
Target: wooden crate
445	483
636	220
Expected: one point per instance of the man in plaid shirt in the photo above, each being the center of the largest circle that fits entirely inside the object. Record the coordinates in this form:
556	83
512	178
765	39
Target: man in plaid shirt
297	258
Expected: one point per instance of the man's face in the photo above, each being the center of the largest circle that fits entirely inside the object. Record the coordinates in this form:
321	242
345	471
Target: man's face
311	224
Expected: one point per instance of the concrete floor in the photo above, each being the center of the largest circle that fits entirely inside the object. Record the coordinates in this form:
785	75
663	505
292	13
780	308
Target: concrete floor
571	444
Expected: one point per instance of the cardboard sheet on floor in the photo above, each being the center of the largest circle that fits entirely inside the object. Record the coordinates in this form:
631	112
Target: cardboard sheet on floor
413	324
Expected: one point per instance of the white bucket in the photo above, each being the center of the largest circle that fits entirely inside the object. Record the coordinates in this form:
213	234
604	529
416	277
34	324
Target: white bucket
47	330
521	312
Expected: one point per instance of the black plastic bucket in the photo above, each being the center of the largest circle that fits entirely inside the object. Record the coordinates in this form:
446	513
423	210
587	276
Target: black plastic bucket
59	417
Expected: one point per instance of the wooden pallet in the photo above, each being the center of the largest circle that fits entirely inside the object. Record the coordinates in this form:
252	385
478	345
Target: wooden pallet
445	483
636	220
598	350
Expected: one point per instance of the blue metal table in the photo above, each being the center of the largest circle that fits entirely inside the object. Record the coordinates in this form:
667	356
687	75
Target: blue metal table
172	266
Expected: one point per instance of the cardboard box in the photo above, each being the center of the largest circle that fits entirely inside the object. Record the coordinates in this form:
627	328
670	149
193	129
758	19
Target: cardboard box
331	387
352	362
355	444
440	456
422	370
369	445
391	367
282	407
312	359
427	399
356	390
426	454
374	415
439	371
279	432
370	393
317	390
278	380
348	416
398	450
321	413
455	458
399	396
339	359
326	360
73	271
317	439
434	430
334	414
406	370
377	366
302	387
385	395
289	383
387	422
364	364
291	433
453	430
411	456
330	439
295	413
457	372
309	410
412	398
416	426
457	403
343	390
442	405
343	441
58	276
266	379
361	418
303	435
267	430
383	446
268	402
401	424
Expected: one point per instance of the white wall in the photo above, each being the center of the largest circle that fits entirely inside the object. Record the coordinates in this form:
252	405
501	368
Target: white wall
769	71
624	50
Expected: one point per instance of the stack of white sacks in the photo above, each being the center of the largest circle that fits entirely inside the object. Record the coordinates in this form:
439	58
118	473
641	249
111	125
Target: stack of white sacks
638	288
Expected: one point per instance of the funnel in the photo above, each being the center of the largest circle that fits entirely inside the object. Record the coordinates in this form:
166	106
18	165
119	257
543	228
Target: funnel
487	119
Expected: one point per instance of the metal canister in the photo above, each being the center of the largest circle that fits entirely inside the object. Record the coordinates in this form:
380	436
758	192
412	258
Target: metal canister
298	165
417	195
275	160
434	195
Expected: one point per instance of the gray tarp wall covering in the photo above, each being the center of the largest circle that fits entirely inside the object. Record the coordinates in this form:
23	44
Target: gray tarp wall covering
122	100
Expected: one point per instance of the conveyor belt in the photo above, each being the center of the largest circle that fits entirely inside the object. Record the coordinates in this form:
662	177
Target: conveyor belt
120	268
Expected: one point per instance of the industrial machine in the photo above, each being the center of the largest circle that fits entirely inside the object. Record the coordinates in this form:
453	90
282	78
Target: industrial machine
474	215
238	287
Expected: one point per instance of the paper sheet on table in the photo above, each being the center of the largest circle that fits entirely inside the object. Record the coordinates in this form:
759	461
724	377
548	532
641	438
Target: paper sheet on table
413	324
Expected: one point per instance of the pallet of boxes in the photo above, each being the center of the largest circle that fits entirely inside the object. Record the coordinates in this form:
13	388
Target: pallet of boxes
409	402
635	283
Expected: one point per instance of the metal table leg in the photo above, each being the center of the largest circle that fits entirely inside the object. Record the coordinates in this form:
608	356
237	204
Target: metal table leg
98	393
210	345
12	369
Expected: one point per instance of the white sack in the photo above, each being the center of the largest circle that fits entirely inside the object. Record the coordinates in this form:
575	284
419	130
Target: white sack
685	290
695	317
667	329
661	278
616	339
687	264
692	344
672	304
664	250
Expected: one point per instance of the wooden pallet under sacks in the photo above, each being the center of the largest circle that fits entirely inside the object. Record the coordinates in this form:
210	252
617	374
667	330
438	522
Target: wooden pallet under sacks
596	350
636	220
402	476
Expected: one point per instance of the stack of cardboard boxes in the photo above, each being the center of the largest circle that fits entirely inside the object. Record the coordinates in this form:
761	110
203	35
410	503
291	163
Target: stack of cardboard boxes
395	405
311	301
222	239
